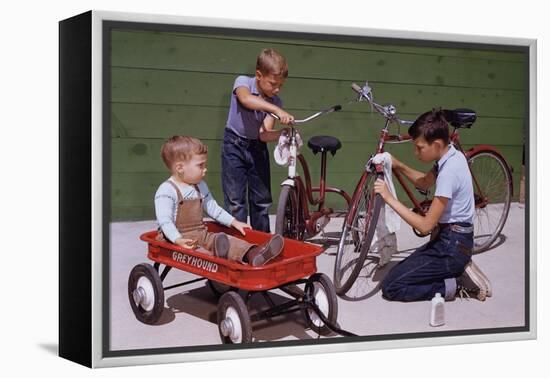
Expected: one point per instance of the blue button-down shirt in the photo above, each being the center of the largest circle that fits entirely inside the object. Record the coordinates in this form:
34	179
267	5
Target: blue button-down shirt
454	182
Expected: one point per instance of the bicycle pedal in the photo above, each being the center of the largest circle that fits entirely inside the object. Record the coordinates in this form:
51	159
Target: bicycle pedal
321	222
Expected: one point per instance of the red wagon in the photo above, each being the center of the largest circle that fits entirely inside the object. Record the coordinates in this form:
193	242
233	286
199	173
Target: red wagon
294	267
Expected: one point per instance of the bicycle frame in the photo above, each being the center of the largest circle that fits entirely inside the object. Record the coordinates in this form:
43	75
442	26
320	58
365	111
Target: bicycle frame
305	190
314	221
389	113
305	195
455	140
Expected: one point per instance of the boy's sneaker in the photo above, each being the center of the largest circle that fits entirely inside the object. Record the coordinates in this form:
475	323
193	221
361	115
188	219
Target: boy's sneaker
471	284
221	245
262	254
485	279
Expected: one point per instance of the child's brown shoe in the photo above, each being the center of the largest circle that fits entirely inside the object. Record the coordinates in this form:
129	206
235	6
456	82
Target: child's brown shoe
221	245
262	254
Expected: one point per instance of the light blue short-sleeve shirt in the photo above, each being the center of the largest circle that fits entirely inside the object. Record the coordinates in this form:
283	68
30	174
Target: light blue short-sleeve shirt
454	182
241	120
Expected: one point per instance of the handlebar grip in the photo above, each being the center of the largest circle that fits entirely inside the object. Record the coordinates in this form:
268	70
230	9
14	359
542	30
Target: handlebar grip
357	88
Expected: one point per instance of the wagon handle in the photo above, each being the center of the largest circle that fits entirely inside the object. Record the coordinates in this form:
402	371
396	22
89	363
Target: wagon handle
333	327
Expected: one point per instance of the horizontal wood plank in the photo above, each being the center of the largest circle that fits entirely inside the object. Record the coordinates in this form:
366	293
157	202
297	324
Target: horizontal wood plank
162	121
213	89
231	56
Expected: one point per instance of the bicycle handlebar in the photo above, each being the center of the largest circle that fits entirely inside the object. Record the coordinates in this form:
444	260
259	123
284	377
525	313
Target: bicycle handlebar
357	88
334	108
389	111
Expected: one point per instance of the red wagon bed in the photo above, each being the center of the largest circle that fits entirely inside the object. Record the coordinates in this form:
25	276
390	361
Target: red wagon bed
296	261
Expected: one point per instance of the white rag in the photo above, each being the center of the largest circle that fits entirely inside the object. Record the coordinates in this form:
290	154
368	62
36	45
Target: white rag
384	241
281	153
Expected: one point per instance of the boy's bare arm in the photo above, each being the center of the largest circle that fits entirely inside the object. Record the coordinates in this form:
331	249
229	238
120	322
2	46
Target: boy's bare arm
257	103
424	224
267	132
419	179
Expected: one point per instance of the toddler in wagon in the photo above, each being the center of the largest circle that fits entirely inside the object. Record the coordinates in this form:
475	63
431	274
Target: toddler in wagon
182	198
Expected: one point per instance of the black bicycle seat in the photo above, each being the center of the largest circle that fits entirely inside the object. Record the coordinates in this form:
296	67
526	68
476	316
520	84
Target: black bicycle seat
322	143
461	117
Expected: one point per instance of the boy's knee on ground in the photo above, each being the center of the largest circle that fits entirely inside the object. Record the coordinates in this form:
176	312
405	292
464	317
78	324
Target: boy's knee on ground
389	289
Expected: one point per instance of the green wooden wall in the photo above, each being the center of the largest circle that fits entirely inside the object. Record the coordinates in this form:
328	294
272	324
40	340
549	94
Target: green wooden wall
165	83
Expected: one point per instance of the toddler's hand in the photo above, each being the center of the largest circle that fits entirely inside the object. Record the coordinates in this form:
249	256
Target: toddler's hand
285	118
187	243
381	188
240	226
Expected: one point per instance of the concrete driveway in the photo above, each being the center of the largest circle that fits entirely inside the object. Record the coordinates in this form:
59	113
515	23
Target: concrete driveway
189	317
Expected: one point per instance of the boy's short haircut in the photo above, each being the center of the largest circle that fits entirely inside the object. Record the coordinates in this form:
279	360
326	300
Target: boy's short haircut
431	125
271	62
181	148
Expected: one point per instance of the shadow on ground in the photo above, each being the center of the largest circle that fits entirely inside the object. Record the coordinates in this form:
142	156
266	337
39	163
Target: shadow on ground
203	304
50	348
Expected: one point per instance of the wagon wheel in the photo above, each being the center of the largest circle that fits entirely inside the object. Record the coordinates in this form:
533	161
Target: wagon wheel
233	319
322	293
146	293
219	289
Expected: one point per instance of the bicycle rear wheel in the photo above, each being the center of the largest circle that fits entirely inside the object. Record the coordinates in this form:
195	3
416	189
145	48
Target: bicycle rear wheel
357	233
288	222
493	194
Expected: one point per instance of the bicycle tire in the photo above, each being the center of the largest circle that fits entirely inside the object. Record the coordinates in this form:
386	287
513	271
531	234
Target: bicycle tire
497	187
287	222
350	259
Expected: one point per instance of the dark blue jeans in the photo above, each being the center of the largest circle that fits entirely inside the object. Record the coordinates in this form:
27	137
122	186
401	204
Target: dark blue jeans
246	173
431	269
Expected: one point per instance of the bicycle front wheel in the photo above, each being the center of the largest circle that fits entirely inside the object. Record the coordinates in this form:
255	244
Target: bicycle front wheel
288	222
492	182
357	233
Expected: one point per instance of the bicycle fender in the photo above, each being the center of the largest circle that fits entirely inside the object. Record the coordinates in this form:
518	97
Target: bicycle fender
288	182
487	147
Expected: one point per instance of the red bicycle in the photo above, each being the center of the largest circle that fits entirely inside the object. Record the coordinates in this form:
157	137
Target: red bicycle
294	218
491	177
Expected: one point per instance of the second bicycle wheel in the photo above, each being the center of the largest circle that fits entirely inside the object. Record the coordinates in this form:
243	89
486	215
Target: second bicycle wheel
357	233
289	222
492	182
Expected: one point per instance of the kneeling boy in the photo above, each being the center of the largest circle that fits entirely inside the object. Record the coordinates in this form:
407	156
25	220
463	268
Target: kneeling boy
444	264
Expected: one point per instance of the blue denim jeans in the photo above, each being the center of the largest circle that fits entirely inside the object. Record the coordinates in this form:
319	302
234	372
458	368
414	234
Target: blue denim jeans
431	269
246	175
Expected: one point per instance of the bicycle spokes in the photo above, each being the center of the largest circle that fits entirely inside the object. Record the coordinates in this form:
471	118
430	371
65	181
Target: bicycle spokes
357	235
492	182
